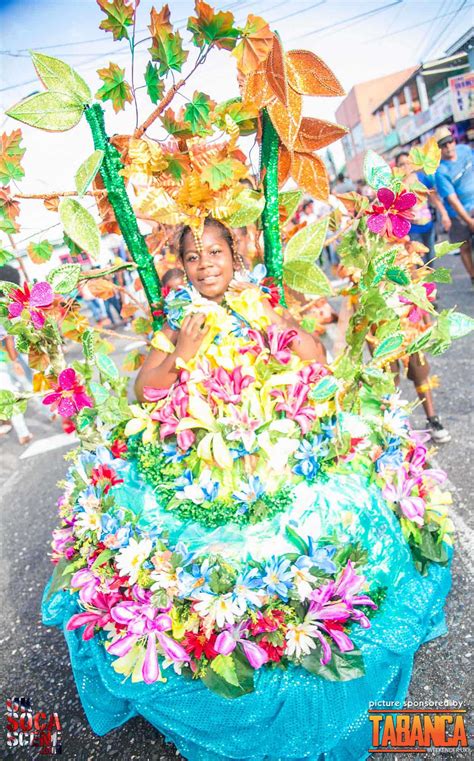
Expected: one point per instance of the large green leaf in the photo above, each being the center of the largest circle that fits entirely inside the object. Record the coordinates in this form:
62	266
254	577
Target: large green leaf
439	275
5	256
388	345
445	247
7	404
197	111
251	204
65	278
107	366
288	201
376	171
307	278
420	343
342	667
60	77
308	243
87	171
324	389
80	225
232	667
459	324
52	111
154	85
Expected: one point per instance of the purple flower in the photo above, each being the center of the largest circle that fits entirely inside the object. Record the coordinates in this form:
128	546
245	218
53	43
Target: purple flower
400	493
228	640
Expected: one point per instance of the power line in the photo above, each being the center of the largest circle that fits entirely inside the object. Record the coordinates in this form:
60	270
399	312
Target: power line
351	18
413	26
425	43
445	29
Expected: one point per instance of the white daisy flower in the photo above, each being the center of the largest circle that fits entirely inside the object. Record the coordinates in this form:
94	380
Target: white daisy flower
221	609
299	639
131	557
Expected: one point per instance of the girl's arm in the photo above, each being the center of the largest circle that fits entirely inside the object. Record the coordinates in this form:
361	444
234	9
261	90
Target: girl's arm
159	369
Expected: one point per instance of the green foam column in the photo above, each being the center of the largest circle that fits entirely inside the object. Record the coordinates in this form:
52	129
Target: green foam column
273	251
126	219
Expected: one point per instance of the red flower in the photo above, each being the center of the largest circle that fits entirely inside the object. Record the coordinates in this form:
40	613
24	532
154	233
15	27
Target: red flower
270	622
392	218
35	302
269	286
119	448
274	652
68	425
69	396
105	477
197	644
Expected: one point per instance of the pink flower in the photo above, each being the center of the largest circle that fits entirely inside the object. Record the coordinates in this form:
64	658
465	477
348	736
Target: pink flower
173	411
274	342
99	612
63	543
228	386
312	373
35	302
416	313
69	396
392	218
292	401
400	493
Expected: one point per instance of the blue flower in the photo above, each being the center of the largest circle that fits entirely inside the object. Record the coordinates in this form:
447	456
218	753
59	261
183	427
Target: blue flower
277	578
173	306
258	274
195	580
240	328
113	534
90	499
329	427
249	493
172	453
321	556
239	451
309	454
201	491
245	589
392	457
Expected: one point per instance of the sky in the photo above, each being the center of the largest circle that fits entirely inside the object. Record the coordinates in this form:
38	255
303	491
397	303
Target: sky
358	40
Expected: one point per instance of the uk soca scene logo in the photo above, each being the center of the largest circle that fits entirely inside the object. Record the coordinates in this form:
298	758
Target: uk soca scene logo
29	729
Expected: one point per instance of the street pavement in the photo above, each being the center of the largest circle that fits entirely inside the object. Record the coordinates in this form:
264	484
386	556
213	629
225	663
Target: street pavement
34	658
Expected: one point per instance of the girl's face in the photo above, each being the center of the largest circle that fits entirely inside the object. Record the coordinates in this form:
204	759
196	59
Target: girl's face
211	269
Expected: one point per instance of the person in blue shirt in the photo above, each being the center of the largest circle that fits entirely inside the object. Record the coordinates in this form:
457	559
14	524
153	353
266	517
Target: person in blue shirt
423	227
455	185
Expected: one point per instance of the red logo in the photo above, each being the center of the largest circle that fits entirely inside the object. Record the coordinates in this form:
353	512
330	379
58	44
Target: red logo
26	728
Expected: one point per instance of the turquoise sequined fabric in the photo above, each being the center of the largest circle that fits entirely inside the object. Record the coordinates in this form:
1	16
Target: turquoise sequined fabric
292	714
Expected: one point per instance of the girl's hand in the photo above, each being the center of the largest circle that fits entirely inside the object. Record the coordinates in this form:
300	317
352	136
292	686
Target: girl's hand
190	337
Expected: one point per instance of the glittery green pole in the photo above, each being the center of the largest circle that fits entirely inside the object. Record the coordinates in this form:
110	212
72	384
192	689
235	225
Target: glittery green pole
273	252
120	202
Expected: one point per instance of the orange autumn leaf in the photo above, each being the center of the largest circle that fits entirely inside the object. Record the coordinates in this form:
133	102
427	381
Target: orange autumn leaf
160	22
101	288
40	382
276	71
287	119
255	45
128	310
38	360
9	207
284	165
52	204
309	75
314	134
257	92
309	173
108	222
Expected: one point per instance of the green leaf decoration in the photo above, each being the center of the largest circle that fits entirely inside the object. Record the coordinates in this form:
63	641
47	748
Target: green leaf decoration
397	275
445	247
154	85
210	27
440	275
224	666
88	344
114	88
218	175
251	204
243	115
388	346
167	49
324	389
308	243
298	541
288	201
7	404
376	171
306	278
52	111
421	343
80	225
11	155
65	278
119	15
58	76
40	253
102	558
99	392
459	324
107	366
7	225
5	256
342	667
197	113
87	171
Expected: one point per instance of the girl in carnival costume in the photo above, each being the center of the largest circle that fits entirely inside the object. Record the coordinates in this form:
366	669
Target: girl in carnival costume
252	553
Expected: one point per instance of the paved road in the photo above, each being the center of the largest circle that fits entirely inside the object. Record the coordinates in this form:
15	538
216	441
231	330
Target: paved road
34	658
